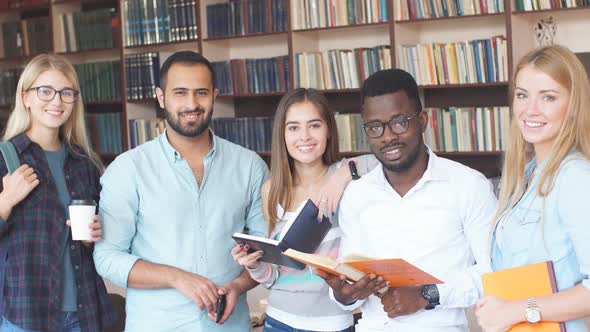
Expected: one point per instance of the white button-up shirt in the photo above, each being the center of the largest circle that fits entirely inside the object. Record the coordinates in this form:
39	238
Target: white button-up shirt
442	225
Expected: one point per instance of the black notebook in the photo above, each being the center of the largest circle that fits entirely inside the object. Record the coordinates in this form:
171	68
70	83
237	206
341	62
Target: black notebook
304	232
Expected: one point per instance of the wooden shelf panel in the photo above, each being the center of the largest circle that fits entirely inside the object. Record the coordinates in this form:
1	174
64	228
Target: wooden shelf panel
150	47
91	51
104	106
420	20
39	7
249	35
341	27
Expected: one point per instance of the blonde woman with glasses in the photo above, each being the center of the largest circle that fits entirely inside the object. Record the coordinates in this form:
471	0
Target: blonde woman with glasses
543	213
51	283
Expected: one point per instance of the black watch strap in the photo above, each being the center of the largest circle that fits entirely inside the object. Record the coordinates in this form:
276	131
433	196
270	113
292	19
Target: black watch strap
353	172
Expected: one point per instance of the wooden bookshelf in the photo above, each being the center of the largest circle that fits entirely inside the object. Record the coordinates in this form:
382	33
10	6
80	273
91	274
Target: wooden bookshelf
514	25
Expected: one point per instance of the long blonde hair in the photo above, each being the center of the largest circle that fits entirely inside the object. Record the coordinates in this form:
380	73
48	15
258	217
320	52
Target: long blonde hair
281	163
565	68
73	131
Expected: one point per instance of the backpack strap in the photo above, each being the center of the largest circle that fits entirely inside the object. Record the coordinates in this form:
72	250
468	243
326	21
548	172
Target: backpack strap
10	156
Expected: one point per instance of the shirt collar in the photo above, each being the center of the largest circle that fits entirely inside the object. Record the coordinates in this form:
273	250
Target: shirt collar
22	142
433	172
174	155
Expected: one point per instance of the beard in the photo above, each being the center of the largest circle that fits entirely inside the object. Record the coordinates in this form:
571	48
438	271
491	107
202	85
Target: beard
188	130
404	163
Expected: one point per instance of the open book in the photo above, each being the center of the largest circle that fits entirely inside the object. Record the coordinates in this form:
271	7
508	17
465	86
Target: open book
303	232
395	270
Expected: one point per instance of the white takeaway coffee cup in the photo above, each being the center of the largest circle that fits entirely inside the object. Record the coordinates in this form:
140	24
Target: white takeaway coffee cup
82	212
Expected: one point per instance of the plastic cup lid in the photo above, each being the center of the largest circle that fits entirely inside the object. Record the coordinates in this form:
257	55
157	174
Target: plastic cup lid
82	202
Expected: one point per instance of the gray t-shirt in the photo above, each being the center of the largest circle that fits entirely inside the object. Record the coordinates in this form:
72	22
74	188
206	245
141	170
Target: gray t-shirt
56	160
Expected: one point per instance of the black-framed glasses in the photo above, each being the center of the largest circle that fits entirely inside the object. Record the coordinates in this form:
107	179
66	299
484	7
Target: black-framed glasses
398	124
47	93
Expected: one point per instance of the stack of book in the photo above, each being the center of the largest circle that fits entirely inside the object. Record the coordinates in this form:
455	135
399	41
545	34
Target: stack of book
339	69
253	76
254	133
312	14
243	17
26	37
80	31
105	132
423	9
467	129
100	81
142	71
141	131
475	61
159	21
8	80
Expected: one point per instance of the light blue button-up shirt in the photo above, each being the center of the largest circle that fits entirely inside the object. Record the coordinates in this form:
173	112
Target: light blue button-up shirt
561	236
153	209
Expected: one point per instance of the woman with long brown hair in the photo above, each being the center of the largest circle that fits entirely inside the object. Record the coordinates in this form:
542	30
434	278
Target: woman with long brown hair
304	165
543	208
51	283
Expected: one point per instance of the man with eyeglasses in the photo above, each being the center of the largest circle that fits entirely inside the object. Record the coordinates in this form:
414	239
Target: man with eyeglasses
431	211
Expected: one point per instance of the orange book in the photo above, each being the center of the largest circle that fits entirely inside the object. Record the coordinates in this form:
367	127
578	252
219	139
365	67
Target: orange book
395	270
523	282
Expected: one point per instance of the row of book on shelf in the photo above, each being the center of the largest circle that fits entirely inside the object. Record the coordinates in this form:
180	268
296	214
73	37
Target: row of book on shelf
252	76
467	129
142	73
159	21
422	9
449	130
26	37
475	61
340	69
87	30
531	5
104	131
8	82
241	17
100	81
312	14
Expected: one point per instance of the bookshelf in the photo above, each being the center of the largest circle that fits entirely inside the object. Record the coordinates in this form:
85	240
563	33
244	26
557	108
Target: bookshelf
289	30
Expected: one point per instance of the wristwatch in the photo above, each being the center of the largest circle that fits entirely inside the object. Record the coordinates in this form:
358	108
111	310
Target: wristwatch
430	294
353	172
532	313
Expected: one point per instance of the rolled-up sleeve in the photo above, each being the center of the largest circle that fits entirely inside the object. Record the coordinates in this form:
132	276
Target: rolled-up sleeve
573	208
119	204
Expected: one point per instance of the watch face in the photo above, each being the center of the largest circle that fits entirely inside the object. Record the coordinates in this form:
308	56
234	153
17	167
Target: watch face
430	292
533	315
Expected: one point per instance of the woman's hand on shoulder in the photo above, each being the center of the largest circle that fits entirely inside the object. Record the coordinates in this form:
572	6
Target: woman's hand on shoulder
328	197
18	185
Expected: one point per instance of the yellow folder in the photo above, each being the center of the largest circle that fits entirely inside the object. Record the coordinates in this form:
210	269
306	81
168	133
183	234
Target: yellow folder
523	282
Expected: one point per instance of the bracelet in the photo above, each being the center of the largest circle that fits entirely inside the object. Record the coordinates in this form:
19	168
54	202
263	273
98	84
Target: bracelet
353	172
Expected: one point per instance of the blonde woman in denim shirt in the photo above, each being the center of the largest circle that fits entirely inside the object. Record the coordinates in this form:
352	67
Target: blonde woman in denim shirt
543	210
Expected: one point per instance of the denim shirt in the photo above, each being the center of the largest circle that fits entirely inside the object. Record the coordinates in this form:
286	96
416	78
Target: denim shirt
562	235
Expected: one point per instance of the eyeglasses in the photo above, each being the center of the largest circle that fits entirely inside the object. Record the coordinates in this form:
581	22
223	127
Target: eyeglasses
398	125
46	93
